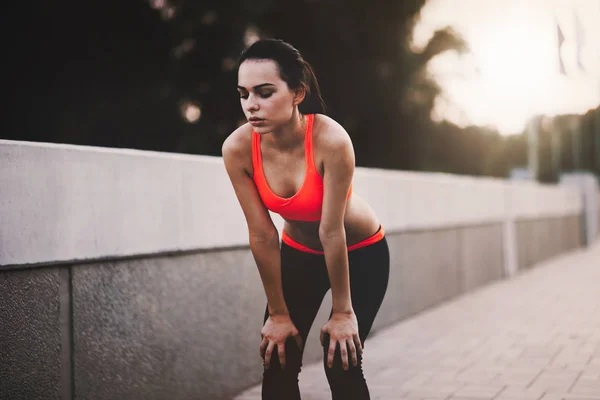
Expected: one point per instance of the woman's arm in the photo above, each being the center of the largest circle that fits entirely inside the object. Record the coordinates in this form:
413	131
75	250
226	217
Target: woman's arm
338	169
263	235
337	178
264	244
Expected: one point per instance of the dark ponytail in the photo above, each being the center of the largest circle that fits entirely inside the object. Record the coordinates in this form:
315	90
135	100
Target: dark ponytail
313	90
293	69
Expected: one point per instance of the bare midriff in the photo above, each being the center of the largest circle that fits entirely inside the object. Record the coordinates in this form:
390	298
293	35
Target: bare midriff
360	223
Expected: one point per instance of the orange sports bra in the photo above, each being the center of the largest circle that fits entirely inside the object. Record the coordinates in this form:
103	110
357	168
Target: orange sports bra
306	204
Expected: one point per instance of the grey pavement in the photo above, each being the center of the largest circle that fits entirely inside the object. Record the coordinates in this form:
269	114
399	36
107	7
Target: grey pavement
533	337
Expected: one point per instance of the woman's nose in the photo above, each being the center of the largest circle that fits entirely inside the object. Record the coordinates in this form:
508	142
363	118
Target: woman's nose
251	103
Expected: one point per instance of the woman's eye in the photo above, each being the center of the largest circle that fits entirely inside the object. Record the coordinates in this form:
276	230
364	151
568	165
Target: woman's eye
243	96
266	95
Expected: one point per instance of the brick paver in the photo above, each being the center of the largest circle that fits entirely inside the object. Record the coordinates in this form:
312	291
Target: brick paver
533	337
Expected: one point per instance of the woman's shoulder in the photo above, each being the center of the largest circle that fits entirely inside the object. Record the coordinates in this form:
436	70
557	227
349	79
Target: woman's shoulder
328	134
239	141
238	145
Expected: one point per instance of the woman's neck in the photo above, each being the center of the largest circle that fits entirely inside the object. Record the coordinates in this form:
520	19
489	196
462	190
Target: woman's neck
288	136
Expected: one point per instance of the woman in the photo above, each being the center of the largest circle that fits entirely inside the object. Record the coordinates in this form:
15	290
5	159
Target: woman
301	166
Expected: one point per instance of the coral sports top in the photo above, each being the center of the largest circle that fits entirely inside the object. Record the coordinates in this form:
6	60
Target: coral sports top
306	204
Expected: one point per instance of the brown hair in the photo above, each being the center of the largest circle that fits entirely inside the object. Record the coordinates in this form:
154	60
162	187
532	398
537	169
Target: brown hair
293	69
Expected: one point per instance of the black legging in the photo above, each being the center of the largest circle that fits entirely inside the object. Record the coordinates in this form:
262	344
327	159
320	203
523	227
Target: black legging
305	282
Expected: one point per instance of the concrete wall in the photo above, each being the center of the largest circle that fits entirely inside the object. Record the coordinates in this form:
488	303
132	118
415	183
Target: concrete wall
166	327
175	326
587	185
34	327
119	285
542	239
66	203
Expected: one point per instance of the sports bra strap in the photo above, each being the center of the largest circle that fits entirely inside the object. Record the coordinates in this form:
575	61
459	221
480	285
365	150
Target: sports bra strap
308	143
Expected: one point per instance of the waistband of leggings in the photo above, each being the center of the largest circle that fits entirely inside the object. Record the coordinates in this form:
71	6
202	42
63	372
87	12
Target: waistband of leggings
379	235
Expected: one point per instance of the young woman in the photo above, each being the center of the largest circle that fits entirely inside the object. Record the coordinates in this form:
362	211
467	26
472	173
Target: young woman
301	166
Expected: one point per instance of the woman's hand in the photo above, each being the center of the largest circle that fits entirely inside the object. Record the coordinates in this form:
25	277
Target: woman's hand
275	332
342	328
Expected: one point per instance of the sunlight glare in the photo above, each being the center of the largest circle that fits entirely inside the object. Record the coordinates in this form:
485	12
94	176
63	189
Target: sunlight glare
513	70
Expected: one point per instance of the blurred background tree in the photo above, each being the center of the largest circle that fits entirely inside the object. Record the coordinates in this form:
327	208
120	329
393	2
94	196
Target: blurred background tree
161	75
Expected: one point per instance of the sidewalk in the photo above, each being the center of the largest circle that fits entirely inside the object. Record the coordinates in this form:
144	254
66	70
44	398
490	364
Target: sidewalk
533	337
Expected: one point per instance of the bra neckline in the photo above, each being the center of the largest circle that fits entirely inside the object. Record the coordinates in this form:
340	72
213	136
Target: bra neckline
307	153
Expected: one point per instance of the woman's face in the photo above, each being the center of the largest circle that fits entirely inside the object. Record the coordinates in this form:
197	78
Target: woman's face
266	99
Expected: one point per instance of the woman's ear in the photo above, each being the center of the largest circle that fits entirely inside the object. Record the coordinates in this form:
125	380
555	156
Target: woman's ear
299	95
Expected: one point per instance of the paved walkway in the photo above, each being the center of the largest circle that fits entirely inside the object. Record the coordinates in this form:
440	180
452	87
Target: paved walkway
534	337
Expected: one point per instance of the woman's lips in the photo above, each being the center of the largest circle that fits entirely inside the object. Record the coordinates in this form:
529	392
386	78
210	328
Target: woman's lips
256	121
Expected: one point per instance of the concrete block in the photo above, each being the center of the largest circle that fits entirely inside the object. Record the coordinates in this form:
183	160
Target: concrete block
31	334
481	255
184	327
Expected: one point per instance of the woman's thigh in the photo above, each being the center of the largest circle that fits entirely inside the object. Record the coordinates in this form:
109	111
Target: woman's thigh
369	269
304	281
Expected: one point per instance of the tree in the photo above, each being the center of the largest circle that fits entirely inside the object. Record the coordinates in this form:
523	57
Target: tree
122	74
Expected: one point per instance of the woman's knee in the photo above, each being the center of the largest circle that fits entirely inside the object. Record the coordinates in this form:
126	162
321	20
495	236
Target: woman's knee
293	363
337	371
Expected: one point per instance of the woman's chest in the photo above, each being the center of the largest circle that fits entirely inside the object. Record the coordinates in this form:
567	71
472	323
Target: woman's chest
285	173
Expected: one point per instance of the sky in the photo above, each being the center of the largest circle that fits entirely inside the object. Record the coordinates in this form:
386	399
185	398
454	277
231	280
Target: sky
512	70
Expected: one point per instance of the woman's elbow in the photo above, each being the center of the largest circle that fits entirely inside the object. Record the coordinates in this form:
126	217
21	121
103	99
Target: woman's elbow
331	234
263	236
